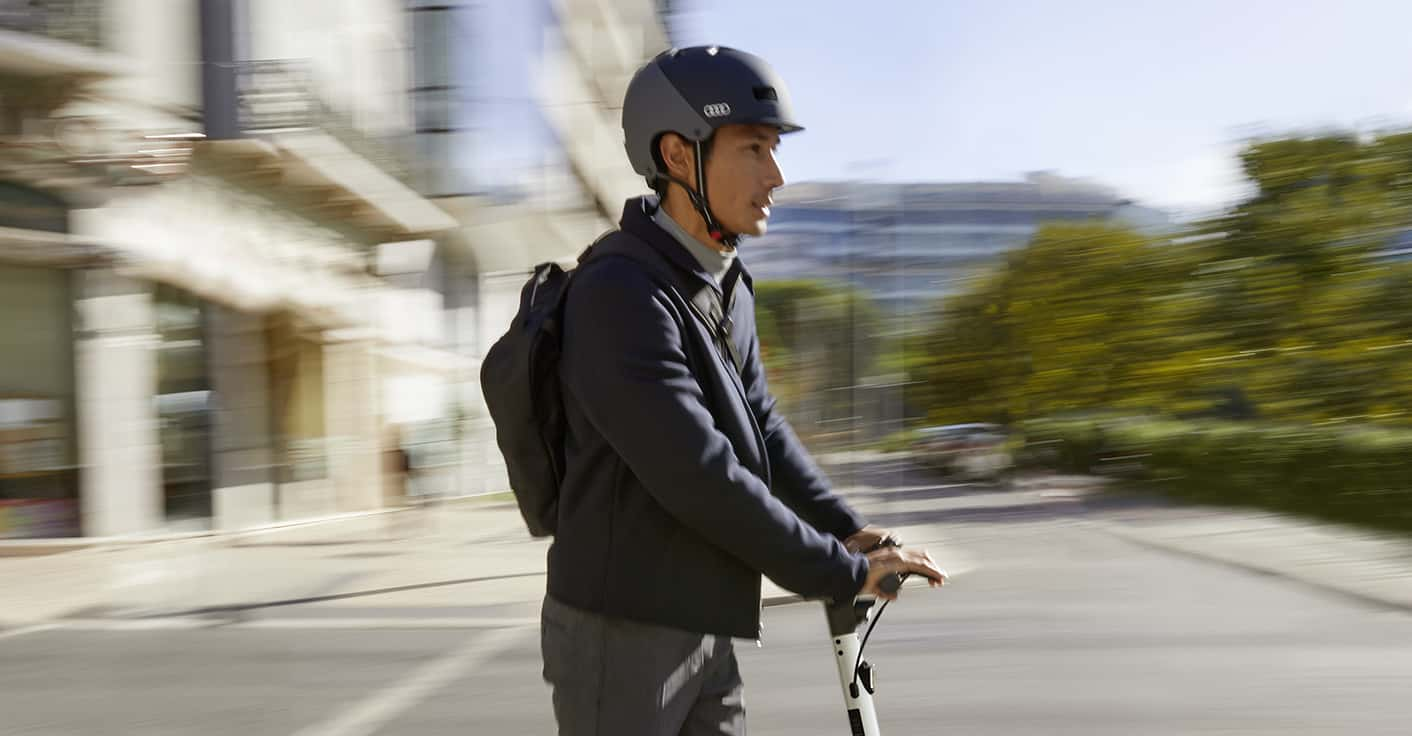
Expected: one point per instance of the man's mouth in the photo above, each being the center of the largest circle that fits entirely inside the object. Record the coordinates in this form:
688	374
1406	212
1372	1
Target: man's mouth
764	205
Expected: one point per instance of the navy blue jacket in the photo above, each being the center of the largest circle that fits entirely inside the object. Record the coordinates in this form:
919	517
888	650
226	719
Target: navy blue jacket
682	483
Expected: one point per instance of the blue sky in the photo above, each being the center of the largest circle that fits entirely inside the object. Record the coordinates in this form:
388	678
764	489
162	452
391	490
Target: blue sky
1150	97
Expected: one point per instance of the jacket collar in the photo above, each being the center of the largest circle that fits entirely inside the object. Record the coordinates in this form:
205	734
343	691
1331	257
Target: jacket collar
637	220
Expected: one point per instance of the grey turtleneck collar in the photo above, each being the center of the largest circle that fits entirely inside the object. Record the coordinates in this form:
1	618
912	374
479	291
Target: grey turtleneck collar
714	262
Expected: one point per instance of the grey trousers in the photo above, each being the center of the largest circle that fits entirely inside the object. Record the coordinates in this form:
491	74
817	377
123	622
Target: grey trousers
613	677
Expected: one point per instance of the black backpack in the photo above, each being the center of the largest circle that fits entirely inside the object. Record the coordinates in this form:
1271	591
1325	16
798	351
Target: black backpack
520	377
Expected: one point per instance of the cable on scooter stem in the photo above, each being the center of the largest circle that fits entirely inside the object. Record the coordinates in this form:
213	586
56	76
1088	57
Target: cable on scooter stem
892	583
859	661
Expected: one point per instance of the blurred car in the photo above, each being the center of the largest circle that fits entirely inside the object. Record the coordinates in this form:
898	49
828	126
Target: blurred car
975	451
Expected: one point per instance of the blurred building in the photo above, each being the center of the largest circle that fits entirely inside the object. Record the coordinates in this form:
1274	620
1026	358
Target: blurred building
909	245
248	247
517	108
197	201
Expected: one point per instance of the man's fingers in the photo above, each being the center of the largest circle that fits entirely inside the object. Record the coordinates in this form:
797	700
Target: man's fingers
925	565
903	561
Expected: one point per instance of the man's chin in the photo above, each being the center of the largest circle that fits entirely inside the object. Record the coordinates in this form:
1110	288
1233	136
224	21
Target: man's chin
754	228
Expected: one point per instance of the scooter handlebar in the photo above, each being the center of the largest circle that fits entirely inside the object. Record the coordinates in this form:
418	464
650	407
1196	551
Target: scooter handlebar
892	583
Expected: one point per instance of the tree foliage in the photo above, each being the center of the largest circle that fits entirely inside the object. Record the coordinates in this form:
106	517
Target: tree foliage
1290	303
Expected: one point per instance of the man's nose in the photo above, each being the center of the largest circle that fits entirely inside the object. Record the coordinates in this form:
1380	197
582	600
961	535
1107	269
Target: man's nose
775	175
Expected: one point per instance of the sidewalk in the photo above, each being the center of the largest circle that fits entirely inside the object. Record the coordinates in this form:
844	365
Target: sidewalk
1371	566
417	557
472	563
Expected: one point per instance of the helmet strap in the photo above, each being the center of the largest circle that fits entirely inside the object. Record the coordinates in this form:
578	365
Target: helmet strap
701	203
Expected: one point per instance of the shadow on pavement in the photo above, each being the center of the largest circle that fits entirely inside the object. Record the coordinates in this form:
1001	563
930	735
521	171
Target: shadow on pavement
925	493
1025	512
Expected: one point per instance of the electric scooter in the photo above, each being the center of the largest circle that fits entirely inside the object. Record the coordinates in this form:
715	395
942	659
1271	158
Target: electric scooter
855	674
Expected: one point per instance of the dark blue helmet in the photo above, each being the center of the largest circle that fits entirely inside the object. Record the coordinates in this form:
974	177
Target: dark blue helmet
694	91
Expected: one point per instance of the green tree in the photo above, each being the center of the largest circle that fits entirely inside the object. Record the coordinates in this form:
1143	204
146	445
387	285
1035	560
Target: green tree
1075	321
1288	302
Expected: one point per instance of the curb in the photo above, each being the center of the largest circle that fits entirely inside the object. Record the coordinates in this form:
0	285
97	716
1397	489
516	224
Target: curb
50	546
41	547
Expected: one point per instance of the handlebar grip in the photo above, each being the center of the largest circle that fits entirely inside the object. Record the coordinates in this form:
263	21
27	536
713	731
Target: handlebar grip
892	582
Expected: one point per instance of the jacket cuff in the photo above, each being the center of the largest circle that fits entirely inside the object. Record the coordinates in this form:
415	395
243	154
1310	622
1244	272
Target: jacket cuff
849	586
849	523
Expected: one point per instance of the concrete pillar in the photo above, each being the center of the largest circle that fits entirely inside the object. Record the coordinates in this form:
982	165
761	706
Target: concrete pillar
499	300
355	460
119	444
463	326
482	465
244	484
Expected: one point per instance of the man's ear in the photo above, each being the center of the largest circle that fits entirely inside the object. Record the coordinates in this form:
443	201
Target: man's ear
678	156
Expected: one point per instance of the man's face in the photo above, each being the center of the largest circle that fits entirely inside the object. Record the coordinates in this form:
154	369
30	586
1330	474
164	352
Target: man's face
741	174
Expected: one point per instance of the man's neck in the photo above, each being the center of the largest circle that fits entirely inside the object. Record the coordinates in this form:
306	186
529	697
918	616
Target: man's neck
679	207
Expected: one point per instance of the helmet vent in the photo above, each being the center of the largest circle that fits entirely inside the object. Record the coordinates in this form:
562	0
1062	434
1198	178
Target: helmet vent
766	93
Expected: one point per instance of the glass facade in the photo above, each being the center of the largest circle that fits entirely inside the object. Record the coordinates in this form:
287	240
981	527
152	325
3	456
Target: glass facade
39	495
183	407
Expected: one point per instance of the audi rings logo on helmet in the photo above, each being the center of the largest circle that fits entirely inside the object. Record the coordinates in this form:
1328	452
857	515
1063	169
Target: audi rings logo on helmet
718	110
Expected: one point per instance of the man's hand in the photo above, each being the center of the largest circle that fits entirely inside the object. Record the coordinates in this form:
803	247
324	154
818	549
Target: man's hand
866	538
888	560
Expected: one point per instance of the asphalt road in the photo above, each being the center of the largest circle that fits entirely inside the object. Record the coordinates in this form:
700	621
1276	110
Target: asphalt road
1050	627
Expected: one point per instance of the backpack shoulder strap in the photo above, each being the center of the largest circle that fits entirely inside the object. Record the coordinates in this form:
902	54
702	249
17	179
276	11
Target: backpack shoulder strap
705	303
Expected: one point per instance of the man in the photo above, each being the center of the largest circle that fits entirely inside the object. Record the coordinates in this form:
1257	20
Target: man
683	483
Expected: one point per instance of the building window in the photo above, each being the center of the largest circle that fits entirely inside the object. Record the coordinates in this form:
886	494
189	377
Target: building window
38	458
183	406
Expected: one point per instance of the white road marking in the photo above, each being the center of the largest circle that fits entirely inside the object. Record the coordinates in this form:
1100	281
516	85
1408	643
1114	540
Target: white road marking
373	713
138	624
32	629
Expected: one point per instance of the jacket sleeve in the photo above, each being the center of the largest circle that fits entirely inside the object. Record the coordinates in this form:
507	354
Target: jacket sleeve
796	478
627	369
